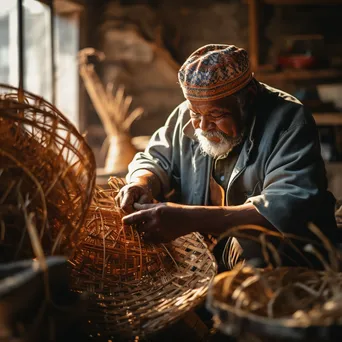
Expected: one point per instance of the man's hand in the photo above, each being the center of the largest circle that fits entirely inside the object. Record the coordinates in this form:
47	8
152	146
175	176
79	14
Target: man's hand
133	193
143	186
162	222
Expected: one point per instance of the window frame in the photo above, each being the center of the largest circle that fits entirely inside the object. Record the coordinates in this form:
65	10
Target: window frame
56	8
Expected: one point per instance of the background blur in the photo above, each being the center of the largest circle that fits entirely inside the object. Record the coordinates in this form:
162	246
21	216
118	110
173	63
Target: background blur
294	45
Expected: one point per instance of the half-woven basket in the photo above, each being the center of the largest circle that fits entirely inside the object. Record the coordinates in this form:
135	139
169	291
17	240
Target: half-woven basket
285	304
136	289
47	172
280	303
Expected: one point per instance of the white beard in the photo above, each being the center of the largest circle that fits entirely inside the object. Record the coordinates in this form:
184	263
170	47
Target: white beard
216	149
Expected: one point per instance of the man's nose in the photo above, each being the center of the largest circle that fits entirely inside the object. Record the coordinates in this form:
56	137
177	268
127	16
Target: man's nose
204	124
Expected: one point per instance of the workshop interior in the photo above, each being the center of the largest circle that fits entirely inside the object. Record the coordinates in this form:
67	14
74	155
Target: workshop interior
170	170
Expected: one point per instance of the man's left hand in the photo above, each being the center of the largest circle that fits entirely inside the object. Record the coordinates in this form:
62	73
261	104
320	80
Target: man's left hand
164	222
161	222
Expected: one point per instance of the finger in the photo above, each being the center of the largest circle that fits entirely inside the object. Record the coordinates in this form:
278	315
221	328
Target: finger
139	206
117	198
148	227
144	199
152	238
137	217
143	229
126	202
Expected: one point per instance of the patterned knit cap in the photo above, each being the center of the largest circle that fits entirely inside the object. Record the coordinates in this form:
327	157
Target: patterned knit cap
214	71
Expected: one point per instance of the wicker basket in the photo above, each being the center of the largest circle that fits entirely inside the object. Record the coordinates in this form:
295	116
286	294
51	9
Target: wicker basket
47	176
136	288
281	303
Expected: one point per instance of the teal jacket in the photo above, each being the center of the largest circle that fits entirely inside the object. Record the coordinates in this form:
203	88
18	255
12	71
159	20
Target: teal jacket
280	169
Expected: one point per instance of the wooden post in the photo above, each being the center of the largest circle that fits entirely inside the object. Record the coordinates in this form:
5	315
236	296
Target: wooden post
53	51
21	47
253	12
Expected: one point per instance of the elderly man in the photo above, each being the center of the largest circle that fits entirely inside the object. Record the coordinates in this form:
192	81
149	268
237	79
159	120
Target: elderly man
236	152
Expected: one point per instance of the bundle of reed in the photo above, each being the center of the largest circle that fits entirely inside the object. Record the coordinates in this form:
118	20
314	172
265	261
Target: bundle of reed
136	288
113	108
47	168
296	303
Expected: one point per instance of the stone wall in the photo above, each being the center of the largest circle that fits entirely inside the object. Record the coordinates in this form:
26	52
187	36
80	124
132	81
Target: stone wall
204	22
145	46
146	41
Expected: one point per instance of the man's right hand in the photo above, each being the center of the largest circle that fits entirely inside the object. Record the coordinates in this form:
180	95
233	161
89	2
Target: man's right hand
131	193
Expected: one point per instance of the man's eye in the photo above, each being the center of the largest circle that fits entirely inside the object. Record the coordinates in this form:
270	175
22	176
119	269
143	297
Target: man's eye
220	116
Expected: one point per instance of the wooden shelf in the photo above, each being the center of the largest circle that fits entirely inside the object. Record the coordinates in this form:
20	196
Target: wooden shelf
299	74
298	2
64	7
328	119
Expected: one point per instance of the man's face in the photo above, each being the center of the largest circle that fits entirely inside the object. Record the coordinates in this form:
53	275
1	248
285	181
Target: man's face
218	124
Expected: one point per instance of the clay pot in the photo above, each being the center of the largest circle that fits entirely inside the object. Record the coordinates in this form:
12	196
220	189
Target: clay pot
120	153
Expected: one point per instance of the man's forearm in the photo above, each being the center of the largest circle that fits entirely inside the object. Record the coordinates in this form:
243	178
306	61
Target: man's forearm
217	220
147	178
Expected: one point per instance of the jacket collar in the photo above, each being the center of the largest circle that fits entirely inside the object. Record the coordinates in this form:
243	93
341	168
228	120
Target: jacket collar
188	130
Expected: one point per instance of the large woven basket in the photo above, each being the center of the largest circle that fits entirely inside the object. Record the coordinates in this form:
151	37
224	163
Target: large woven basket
47	174
283	304
280	303
136	289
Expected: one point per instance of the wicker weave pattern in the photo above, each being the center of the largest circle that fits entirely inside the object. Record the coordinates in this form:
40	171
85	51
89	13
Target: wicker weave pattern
282	302
291	303
136	288
47	170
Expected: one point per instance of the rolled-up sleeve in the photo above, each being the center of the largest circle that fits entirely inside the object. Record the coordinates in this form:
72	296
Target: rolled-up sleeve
295	183
159	154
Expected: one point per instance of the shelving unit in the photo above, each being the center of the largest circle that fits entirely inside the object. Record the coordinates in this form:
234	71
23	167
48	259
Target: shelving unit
328	119
330	74
268	74
254	7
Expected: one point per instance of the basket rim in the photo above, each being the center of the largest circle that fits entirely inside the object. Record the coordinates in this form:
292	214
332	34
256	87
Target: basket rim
216	305
69	125
9	100
4	85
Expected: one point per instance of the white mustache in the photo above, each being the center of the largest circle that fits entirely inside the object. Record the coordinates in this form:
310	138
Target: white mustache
216	149
211	134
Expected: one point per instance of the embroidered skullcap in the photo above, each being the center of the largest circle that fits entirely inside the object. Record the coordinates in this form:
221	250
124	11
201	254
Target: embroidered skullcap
214	71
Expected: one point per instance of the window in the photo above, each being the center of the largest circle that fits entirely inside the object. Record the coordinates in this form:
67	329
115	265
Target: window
49	70
9	49
37	49
67	79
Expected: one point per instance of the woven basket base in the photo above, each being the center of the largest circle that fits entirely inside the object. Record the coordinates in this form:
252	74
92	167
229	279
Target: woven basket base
144	307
